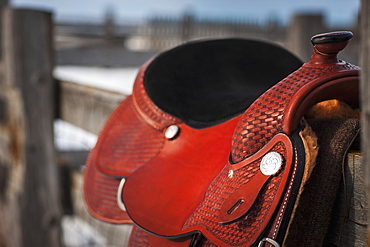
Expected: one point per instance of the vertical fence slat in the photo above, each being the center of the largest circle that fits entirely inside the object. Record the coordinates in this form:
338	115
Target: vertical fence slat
301	29
28	63
365	93
3	4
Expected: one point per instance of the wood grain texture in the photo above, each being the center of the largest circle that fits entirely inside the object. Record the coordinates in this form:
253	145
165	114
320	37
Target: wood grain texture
348	225
28	64
365	91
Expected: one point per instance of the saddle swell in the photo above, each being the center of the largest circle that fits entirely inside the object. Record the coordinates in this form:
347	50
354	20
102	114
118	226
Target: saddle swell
230	214
281	108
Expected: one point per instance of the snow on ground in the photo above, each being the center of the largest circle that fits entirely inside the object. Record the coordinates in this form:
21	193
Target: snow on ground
115	79
78	233
69	137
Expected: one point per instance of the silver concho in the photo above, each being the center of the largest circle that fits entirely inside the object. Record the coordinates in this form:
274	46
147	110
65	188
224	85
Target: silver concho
271	163
230	174
171	131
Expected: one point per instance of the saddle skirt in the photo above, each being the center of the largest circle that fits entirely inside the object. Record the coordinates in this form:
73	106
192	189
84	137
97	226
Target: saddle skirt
250	197
183	111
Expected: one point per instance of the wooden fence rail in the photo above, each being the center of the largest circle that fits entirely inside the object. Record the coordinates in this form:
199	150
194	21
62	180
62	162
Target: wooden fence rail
84	106
31	99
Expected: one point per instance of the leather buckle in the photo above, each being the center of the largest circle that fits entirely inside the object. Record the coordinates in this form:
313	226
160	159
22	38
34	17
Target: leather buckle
270	241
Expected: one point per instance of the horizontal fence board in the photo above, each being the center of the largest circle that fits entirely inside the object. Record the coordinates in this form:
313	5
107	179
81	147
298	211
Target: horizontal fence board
85	106
74	160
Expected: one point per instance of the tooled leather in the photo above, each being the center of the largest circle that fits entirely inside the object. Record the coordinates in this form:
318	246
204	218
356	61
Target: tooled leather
262	120
138	237
208	244
243	231
130	144
137	141
102	205
146	108
265	116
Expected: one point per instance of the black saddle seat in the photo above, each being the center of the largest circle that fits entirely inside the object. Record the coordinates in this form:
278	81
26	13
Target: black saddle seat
206	83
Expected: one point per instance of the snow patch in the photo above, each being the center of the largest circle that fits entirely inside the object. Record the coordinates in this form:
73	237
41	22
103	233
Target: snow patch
115	79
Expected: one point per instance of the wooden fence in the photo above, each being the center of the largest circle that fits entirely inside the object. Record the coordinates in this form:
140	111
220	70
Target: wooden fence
31	99
365	94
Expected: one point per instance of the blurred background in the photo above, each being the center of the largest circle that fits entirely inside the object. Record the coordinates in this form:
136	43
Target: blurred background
105	33
102	43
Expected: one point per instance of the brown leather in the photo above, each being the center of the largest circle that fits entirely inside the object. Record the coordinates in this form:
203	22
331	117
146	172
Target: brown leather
134	134
207	206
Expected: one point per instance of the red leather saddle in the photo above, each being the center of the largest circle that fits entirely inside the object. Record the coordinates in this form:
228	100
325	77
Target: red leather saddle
249	199
182	113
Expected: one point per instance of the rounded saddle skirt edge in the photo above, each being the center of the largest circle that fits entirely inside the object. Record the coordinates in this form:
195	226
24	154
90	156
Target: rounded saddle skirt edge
102	206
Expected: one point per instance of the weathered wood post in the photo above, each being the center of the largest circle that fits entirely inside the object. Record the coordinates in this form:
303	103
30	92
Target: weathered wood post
29	197
365	94
301	29
3	4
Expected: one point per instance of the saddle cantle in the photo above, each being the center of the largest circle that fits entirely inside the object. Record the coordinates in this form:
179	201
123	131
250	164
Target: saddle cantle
249	199
183	110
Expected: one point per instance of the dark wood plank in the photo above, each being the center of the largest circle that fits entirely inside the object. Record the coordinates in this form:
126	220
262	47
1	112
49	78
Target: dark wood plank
32	189
348	226
300	31
365	93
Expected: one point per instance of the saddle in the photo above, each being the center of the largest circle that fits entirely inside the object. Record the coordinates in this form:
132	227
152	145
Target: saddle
248	196
182	113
